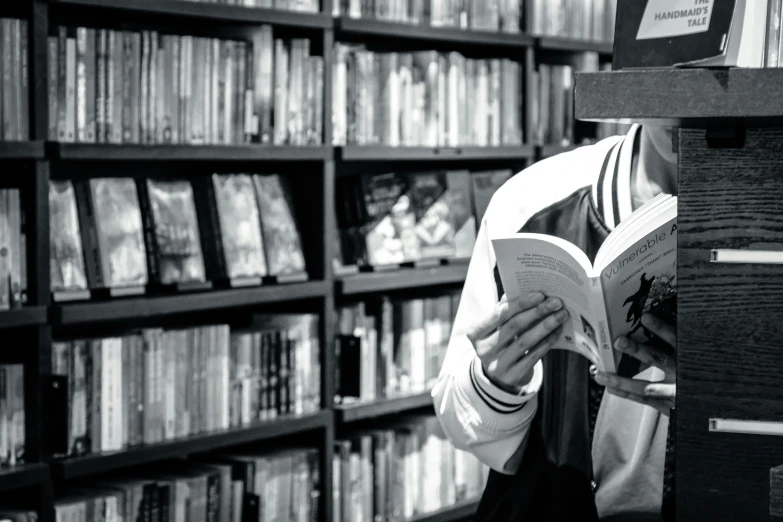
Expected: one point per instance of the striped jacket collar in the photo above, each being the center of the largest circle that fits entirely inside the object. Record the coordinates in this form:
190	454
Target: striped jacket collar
611	190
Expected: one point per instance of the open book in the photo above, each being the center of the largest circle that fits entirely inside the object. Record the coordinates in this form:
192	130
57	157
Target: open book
633	274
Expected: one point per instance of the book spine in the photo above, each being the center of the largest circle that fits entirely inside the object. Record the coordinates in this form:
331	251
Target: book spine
148	223
101	84
604	334
89	234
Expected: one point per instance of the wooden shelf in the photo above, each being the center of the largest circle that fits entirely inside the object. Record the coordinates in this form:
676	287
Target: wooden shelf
556	43
386	153
209	11
156	306
385	281
369	410
102	462
24	476
461	511
682	97
103	151
26	316
346	26
21	150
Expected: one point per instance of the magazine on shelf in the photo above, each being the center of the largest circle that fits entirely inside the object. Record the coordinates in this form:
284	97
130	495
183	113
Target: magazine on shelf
634	273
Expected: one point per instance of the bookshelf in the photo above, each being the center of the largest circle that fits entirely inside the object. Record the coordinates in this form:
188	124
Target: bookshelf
316	168
362	411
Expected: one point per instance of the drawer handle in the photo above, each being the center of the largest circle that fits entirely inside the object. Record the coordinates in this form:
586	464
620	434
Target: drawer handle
759	257
748	427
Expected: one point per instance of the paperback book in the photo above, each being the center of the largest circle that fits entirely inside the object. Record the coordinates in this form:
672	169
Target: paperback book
634	273
66	259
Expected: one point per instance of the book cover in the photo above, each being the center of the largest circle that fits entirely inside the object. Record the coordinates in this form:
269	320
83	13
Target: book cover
177	237
434	227
66	259
389	230
662	33
282	241
634	272
485	184
120	233
240	226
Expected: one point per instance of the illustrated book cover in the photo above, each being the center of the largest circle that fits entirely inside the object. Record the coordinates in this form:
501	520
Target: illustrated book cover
282	240
429	194
172	230
634	272
66	255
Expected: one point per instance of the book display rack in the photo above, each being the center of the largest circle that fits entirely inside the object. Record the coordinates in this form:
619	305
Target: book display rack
239	132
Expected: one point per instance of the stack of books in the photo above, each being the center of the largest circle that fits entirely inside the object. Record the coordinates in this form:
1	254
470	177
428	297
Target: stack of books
490	15
402	469
393	349
272	485
157	384
14	84
419	99
146	87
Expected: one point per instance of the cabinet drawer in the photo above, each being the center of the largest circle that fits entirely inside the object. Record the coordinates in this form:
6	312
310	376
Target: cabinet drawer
730	325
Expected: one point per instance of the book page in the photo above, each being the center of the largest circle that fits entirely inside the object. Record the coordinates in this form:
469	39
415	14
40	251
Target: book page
641	280
557	268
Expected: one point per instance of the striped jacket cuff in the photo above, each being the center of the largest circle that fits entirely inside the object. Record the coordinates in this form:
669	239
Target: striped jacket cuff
501	401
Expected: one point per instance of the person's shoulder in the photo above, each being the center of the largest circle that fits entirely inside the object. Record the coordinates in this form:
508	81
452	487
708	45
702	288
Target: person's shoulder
545	183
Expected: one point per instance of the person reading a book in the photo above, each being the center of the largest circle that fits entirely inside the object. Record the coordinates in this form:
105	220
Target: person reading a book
571	434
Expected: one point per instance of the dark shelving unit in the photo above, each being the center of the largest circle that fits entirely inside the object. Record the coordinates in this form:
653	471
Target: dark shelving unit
24	476
385	153
360	411
322	164
207	11
553	150
218	153
681	97
26	316
152	306
461	512
353	27
554	43
404	278
21	150
102	462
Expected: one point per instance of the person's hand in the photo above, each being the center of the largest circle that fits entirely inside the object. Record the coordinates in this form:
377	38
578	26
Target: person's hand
515	336
661	394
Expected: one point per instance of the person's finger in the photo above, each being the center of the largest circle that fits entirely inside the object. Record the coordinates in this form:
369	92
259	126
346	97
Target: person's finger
502	313
536	353
666	331
661	390
611	380
533	336
524	320
647	354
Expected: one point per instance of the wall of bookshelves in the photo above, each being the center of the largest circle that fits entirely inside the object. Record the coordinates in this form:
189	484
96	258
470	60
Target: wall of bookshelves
313	154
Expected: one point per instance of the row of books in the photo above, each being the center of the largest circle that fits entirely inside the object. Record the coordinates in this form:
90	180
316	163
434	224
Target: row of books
577	19
404	468
144	87
306	6
122	234
14	86
418	99
155	384
483	15
13	259
392	218
271	486
391	348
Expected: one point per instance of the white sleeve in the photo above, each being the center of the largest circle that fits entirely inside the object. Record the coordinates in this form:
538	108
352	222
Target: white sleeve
476	415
